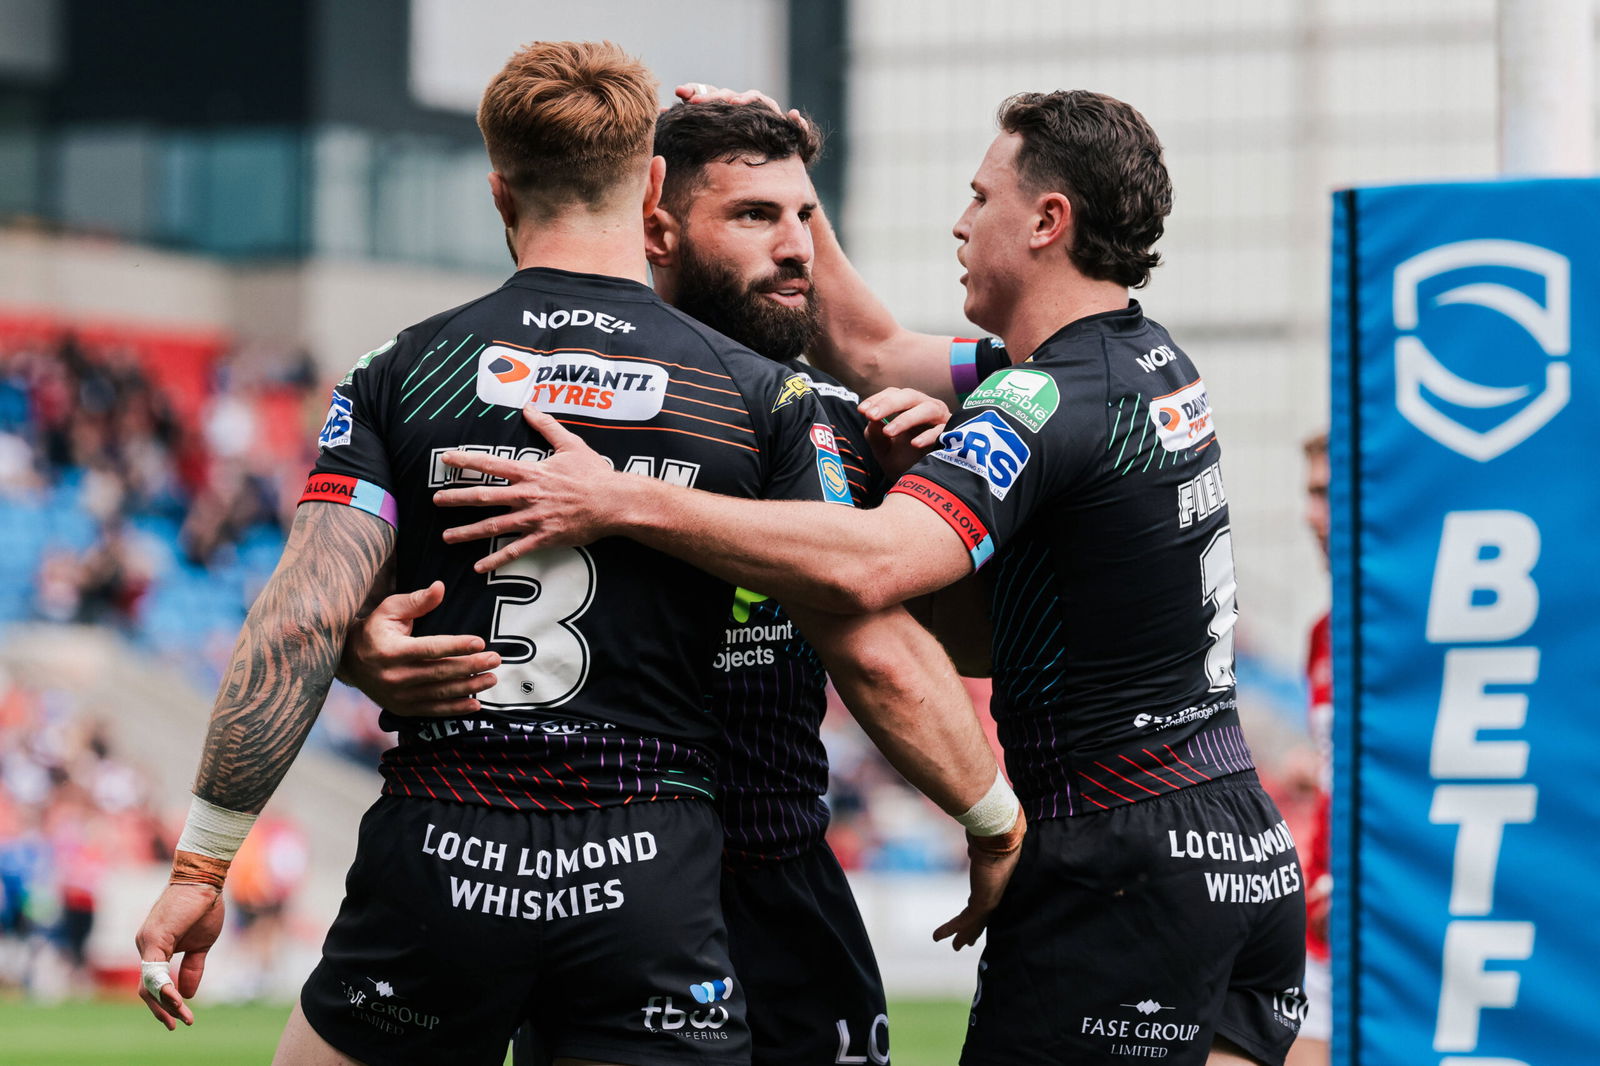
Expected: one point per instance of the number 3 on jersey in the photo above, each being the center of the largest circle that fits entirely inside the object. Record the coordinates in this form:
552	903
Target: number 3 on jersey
544	659
1219	589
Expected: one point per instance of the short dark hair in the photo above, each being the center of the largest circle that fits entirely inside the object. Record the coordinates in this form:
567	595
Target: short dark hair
689	136
1103	155
568	121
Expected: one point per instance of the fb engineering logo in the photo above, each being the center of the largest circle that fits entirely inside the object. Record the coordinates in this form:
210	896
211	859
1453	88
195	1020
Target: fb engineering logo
1550	326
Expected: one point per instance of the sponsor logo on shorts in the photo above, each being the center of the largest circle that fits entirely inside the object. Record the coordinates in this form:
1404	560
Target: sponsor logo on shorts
1289	1008
793	388
1182	418
988	447
384	1009
712	991
544	903
663	1015
1155	1036
572	383
876	1049
366	361
577	316
830	466
1201	497
336	428
1029	396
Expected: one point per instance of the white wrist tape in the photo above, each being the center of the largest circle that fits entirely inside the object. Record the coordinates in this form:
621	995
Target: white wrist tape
213	831
996	813
155	976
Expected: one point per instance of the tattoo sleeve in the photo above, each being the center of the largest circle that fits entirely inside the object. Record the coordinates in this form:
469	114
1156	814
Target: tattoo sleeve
285	657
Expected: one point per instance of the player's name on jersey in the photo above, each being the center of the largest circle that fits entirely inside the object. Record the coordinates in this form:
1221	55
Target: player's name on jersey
673	471
455	727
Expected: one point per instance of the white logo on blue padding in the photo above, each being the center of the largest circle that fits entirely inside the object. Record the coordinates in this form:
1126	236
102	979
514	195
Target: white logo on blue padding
987	446
336	429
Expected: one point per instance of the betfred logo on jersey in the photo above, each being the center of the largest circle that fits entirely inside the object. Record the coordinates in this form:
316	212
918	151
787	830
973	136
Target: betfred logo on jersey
1183	418
988	447
571	383
830	466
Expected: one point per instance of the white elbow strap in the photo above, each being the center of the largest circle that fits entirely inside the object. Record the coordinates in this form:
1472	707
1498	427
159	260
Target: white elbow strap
215	832
995	813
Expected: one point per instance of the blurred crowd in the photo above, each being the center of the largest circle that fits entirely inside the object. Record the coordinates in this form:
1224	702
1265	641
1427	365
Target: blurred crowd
72	813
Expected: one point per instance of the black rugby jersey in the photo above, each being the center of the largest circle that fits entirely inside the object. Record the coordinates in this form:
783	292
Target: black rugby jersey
606	649
770	686
1090	473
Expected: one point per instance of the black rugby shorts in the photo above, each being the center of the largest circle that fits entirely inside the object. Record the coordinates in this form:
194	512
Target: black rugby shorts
1139	933
799	945
601	928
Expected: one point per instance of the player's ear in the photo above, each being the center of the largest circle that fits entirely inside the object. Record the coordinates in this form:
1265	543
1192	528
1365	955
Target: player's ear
661	235
1052	221
652	189
505	201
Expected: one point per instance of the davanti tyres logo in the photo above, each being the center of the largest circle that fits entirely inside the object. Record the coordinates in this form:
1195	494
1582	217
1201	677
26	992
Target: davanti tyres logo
572	382
1182	418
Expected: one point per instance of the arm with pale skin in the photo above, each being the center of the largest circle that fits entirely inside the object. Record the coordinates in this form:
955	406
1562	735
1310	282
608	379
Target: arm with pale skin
274	687
862	343
816	555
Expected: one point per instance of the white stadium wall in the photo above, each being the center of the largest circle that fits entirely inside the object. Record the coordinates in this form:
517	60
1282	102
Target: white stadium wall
1263	108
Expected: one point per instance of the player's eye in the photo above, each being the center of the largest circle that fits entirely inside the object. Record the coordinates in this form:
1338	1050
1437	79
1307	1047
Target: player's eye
805	216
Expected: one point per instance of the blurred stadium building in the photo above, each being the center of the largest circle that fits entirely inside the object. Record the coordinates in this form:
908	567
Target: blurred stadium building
207	213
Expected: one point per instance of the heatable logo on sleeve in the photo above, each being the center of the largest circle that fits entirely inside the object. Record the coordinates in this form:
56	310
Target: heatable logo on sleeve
571	382
1030	396
988	447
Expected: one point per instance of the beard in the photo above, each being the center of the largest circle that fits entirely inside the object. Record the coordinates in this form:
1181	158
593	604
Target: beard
716	296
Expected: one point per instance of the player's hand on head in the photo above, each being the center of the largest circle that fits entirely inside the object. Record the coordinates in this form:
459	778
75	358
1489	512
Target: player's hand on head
568	498
185	920
992	862
415	676
903	425
698	92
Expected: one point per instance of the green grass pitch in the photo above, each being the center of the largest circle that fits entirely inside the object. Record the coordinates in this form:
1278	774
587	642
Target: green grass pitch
925	1033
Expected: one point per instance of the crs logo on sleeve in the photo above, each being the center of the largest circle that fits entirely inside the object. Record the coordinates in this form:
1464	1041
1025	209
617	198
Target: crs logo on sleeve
830	466
988	447
336	429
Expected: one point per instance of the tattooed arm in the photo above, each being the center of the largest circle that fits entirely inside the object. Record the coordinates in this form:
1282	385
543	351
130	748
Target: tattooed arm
287	652
282	666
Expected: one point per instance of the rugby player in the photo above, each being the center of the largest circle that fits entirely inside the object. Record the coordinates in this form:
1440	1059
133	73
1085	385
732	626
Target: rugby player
733	226
524	864
1158	911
